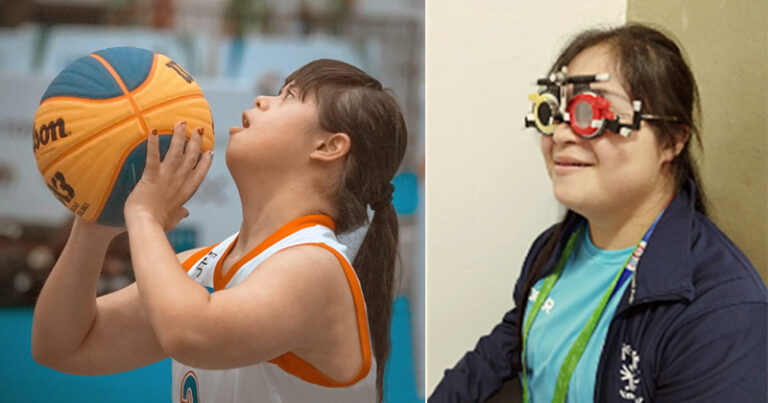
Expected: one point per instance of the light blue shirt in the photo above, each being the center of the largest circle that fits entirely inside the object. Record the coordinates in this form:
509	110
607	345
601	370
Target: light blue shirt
585	278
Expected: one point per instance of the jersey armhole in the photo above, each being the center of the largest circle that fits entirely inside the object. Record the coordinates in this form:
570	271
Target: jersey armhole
294	365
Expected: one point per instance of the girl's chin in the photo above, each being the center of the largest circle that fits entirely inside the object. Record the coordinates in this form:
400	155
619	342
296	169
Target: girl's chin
571	197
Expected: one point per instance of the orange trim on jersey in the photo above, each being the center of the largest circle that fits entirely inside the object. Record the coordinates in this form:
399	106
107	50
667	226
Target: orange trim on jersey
221	280
187	264
127	93
294	365
220	266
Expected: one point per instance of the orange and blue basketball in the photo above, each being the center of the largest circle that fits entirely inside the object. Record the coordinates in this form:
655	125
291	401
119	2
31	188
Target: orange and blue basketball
92	123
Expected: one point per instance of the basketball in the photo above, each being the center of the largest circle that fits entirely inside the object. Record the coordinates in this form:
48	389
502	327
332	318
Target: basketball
91	126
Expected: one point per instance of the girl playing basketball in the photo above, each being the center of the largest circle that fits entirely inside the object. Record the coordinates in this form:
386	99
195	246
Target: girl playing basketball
276	311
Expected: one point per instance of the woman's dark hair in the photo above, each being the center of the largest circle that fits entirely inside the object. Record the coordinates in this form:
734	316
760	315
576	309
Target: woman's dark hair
655	72
352	102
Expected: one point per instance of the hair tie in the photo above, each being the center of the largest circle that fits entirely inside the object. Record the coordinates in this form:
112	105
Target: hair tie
384	197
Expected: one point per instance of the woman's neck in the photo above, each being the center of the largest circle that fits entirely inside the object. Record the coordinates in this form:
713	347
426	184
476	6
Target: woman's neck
623	228
262	215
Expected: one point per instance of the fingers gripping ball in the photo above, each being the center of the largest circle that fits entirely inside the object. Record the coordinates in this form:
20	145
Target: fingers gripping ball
92	123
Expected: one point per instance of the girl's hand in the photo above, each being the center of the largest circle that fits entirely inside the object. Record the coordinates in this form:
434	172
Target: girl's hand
165	186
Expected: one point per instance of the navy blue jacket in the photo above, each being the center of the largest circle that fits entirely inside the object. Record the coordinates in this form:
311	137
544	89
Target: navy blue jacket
695	329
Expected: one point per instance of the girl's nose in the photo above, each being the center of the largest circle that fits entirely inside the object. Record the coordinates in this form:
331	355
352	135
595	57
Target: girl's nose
564	134
261	102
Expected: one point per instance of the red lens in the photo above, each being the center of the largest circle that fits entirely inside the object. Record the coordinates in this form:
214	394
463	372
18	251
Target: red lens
587	112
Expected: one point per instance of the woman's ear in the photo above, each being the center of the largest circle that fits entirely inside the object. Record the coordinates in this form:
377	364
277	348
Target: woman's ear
681	138
331	147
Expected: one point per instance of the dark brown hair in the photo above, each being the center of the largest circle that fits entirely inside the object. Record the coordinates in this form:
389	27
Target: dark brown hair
352	102
655	72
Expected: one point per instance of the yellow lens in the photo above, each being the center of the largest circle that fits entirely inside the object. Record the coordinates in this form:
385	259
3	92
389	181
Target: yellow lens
545	107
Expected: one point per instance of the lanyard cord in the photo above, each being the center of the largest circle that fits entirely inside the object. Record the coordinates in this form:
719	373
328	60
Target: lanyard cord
578	347
549	282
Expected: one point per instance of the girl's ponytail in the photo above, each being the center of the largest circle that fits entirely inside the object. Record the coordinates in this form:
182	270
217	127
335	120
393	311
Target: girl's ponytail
352	102
376	259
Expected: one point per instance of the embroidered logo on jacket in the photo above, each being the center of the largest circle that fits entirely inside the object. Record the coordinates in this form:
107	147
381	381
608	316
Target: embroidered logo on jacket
630	373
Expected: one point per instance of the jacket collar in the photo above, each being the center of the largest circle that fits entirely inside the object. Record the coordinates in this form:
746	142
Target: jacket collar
664	272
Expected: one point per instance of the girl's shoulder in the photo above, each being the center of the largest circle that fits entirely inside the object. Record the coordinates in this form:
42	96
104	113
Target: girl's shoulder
719	267
183	256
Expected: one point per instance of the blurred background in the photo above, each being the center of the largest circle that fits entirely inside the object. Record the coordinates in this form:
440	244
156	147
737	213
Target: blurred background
236	50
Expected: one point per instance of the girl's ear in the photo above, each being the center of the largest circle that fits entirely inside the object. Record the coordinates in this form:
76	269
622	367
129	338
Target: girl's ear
673	150
331	147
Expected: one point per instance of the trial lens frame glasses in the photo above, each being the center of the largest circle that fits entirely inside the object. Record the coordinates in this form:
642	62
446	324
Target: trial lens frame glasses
587	112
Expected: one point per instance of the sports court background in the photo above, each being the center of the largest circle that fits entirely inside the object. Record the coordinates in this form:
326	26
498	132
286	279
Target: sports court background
235	49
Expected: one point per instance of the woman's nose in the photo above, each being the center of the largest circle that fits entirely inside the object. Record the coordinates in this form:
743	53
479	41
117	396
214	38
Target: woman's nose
564	134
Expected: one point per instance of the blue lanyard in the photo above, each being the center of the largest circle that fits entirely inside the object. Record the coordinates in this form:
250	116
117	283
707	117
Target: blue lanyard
631	265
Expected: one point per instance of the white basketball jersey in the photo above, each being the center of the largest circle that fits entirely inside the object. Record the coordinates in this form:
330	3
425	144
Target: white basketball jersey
286	378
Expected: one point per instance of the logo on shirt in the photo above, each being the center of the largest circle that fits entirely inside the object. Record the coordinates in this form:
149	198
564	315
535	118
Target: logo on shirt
189	385
630	373
199	270
546	306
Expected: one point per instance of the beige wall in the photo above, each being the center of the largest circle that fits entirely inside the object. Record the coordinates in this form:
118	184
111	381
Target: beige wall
727	45
488	195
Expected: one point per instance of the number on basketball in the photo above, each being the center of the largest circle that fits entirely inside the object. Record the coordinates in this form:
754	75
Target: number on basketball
180	70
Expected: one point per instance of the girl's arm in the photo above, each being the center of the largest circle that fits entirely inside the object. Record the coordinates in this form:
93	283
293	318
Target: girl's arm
75	332
293	302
